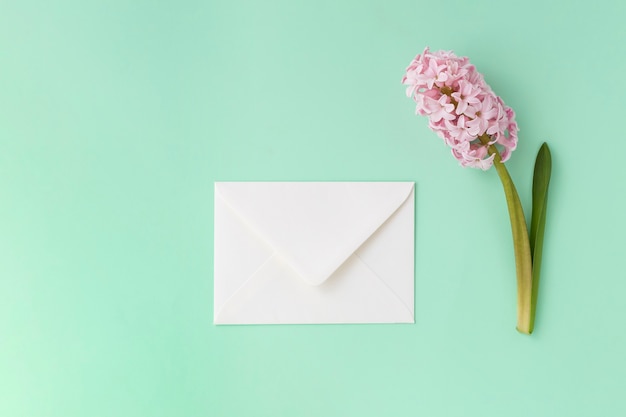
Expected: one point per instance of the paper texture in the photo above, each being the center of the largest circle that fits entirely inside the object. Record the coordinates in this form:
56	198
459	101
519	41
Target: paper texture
314	252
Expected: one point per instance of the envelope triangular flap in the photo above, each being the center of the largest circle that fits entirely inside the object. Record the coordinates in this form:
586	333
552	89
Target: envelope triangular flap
314	226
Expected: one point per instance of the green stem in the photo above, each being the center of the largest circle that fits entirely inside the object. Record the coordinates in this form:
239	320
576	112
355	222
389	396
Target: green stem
521	245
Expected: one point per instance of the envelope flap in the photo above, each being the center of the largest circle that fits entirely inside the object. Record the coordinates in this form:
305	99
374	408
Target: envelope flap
314	226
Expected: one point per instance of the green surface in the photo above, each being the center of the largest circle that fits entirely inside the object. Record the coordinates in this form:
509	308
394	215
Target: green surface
116	117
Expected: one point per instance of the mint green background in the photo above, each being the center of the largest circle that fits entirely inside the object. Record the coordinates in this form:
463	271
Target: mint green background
116	117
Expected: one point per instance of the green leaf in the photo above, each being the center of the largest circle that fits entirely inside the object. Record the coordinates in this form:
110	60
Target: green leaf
541	181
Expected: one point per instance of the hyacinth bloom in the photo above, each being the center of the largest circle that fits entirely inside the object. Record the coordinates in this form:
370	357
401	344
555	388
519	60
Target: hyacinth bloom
461	107
481	132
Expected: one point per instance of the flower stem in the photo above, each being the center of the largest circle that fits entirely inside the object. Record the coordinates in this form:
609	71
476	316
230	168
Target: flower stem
521	245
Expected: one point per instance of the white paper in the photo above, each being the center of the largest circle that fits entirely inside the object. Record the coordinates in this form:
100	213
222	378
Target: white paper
314	252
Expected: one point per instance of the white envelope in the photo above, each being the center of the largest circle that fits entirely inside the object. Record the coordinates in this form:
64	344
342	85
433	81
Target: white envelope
314	252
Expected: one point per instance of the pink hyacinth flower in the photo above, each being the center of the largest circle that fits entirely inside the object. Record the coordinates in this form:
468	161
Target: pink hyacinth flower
462	108
481	132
